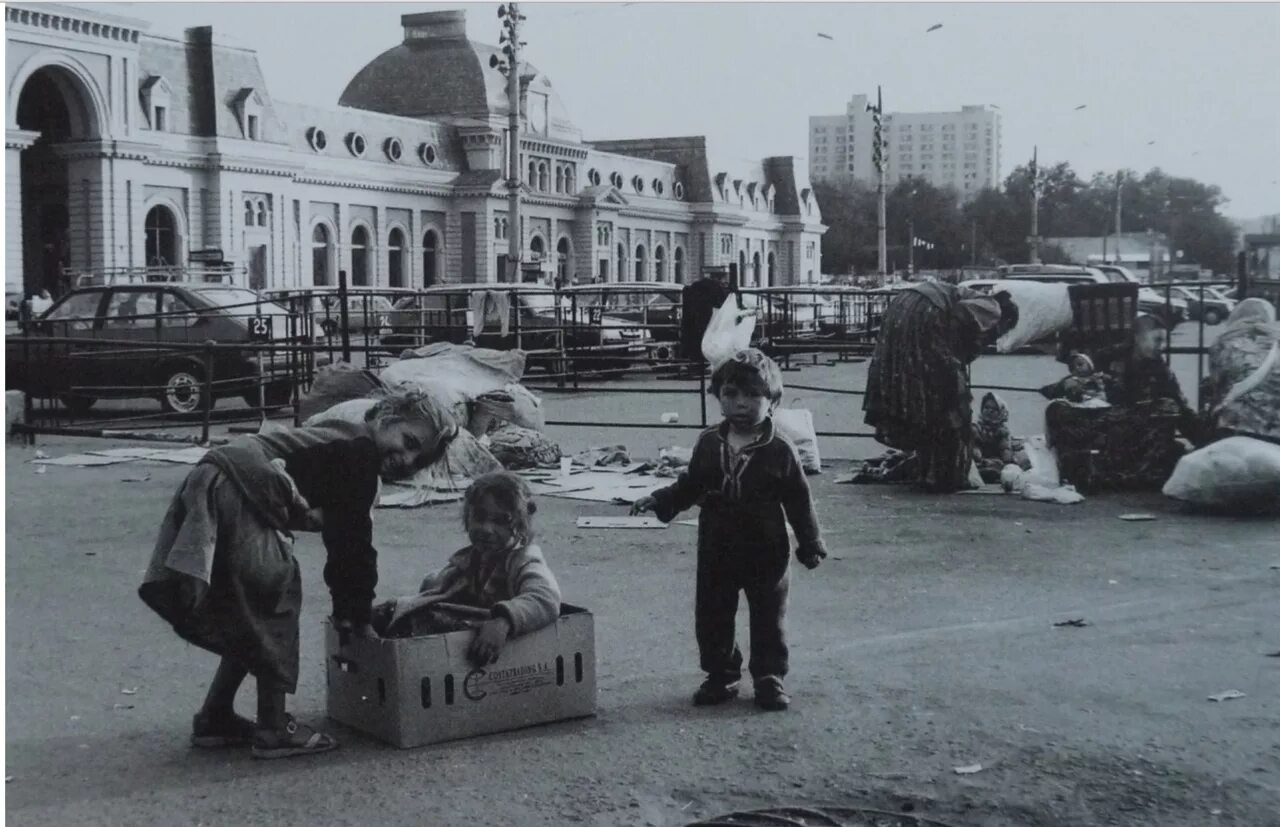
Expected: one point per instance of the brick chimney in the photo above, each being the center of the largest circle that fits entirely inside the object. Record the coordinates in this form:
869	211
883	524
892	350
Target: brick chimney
435	25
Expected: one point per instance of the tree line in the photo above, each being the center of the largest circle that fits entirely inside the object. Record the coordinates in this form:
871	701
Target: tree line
992	227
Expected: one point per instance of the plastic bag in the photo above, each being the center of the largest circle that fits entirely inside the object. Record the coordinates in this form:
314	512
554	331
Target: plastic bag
796	424
1044	463
728	332
1238	474
1043	310
514	403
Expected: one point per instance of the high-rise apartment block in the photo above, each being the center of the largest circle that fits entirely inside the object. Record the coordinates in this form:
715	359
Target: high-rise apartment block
947	149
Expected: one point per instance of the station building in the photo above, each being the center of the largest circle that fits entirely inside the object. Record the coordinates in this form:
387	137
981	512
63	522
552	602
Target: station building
126	149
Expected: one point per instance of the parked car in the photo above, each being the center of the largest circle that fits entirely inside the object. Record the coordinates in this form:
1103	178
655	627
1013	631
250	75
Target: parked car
1171	312
650	306
1173	309
537	317
12	304
1203	304
148	319
368	309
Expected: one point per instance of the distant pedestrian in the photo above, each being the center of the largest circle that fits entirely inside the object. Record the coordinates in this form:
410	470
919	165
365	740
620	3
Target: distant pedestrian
699	302
223	571
749	483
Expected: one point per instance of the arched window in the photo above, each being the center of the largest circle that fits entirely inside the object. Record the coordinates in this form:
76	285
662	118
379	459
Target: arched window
562	259
640	263
659	264
248	213
559	179
320	253
395	258
359	256
429	248
679	259
543	178
621	269
162	237
533	174
755	269
497	227
569	183
742	267
262	213
773	261
506	231
536	246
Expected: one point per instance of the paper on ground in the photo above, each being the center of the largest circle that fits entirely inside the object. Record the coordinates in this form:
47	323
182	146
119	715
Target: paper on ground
81	460
620	522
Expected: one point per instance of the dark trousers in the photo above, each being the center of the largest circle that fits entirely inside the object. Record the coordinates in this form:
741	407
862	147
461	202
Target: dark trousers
715	609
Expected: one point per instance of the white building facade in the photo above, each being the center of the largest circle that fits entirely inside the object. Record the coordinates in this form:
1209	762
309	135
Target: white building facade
958	149
126	149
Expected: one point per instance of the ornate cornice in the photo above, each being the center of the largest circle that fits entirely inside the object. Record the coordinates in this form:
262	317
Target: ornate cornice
62	19
374	186
19	139
558	150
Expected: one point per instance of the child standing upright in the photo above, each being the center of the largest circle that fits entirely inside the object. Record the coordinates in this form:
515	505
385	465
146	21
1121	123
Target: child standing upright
749	482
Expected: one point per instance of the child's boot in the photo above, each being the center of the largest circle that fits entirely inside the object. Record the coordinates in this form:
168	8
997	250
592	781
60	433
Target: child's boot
714	691
770	695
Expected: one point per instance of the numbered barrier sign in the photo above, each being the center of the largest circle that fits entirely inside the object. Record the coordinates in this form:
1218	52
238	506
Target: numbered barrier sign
260	328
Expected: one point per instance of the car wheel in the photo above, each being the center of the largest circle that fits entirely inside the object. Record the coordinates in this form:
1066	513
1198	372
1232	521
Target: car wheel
77	404
1212	316
183	390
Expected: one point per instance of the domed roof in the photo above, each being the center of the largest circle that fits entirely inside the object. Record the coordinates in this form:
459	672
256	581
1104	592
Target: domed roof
435	73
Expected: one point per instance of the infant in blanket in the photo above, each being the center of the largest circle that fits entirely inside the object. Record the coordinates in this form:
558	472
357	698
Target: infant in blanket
499	584
1084	386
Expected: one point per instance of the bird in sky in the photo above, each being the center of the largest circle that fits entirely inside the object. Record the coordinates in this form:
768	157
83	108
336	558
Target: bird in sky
933	28
825	36
1150	143
1081	106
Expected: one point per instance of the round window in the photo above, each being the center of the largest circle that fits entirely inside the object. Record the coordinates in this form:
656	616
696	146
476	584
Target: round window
638	183
678	191
317	138
657	187
356	143
427	153
394	149
616	180
593	176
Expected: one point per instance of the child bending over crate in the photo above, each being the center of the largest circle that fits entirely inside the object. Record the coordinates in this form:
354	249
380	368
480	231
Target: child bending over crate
500	584
749	482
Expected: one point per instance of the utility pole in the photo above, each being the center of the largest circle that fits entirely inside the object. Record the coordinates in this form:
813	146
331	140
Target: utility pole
911	247
1035	208
973	242
877	156
511	43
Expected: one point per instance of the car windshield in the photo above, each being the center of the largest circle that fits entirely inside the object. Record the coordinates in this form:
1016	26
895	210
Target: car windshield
241	301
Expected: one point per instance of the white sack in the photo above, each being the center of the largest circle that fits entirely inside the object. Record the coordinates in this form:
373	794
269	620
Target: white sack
1043	310
455	375
514	403
728	332
1238	473
796	424
1044	463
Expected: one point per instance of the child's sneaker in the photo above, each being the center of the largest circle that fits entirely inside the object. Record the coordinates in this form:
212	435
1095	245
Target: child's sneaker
770	695
713	692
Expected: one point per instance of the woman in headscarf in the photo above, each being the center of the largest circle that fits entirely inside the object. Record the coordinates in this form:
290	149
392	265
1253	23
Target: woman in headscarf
1133	444
1242	391
918	396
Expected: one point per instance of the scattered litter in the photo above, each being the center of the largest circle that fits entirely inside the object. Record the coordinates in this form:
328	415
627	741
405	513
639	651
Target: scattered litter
845	479
120	707
81	460
620	522
1274	655
1215	812
40	469
409	497
986	489
670	417
1078	622
138	478
41	455
1229	695
1137	518
133	691
75	717
183	456
1275	565
693	523
606	455
1017	523
129	453
1113	582
968	769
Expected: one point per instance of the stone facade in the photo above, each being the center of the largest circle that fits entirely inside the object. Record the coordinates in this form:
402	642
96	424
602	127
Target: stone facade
127	149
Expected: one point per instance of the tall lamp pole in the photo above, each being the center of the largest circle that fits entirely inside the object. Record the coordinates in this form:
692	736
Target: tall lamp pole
511	43
1034	240
877	155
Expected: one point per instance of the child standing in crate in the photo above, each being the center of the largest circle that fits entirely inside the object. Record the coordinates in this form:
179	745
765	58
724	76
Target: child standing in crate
749	482
499	584
223	572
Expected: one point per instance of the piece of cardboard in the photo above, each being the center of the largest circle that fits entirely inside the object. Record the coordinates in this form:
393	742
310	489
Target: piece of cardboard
620	522
411	692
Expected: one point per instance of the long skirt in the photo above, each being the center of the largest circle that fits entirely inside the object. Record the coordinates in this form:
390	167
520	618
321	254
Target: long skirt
1116	448
226	580
918	396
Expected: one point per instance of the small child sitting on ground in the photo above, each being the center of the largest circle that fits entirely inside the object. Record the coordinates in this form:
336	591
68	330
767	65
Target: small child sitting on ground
993	446
749	482
1083	386
502	574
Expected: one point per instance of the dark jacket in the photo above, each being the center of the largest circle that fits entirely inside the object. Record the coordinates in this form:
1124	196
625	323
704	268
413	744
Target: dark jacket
745	510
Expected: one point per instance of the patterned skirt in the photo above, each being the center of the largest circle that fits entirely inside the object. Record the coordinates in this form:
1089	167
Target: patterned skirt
1115	448
918	396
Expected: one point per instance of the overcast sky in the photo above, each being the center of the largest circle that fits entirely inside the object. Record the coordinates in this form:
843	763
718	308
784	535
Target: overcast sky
1198	79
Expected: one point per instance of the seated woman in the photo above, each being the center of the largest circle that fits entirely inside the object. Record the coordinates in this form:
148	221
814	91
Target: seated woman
1242	391
1133	443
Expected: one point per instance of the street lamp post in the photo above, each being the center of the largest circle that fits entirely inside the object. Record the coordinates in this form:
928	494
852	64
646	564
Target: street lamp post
1034	240
511	43
882	242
